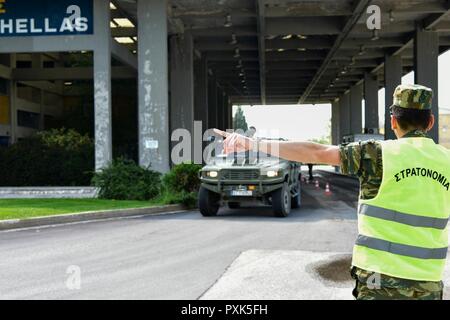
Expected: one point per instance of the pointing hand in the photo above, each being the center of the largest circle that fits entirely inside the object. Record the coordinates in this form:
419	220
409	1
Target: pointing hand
235	142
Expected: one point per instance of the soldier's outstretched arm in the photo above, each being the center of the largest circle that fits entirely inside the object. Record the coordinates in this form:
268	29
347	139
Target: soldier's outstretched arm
305	152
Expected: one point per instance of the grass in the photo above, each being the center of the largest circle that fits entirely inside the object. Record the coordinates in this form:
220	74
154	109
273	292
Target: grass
30	208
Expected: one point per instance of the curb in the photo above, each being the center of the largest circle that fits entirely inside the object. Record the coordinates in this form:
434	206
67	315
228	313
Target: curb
87	216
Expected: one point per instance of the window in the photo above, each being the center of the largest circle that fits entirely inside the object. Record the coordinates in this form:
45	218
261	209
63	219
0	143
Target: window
23	64
3	87
28	119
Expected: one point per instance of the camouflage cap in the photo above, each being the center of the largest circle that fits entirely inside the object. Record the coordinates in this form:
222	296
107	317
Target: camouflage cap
413	96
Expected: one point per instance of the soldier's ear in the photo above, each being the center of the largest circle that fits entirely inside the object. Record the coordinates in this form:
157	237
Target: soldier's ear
431	123
394	123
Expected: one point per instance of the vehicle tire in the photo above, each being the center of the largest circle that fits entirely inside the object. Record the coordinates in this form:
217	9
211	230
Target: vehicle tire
208	202
296	201
234	205
281	201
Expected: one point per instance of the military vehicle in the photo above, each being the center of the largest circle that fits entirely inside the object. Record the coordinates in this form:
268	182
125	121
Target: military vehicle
250	178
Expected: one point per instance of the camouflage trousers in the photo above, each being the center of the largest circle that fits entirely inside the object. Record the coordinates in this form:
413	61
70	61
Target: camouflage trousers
390	288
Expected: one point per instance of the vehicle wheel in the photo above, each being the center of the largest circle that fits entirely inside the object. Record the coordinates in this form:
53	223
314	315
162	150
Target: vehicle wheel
296	201
208	202
234	205
281	201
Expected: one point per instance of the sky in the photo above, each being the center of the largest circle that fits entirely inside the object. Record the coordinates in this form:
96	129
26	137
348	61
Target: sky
307	122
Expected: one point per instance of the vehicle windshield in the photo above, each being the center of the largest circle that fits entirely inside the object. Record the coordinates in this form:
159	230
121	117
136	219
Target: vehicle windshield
242	158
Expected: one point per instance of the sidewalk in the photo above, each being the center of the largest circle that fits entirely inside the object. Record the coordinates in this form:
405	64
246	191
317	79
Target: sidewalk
289	275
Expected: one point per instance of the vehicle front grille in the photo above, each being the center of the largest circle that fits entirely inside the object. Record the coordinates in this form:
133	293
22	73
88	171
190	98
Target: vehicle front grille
240	174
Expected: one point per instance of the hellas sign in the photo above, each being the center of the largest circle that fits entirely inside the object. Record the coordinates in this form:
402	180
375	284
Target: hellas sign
45	17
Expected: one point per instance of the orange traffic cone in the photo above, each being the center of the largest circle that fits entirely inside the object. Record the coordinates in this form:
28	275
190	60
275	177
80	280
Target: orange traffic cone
317	184
327	189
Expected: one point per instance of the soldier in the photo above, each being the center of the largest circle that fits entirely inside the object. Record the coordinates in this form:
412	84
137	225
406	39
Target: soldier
404	203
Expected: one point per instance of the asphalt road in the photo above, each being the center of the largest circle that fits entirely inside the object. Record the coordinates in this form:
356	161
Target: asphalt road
177	256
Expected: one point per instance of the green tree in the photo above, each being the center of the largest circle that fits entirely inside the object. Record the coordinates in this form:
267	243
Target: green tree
239	121
324	139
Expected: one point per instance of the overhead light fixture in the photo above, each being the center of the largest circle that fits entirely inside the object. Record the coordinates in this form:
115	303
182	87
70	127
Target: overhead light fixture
289	36
236	53
124	22
332	85
344	71
68	83
233	39
228	23
301	49
124	40
302	37
375	35
337	78
280	50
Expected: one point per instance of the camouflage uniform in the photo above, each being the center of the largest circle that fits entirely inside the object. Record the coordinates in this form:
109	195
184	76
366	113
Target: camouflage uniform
364	160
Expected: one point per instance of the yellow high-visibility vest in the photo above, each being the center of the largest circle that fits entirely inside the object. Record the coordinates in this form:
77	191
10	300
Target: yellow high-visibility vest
403	231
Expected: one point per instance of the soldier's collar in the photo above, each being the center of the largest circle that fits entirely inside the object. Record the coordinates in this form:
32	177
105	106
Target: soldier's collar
416	134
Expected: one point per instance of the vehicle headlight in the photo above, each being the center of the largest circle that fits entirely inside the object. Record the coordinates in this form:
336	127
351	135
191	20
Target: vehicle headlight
272	174
212	174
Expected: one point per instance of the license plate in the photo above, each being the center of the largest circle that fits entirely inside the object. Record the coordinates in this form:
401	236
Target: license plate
241	193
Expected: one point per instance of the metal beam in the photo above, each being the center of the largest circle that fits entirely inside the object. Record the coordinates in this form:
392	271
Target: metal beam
261	22
303	26
124	32
124	55
427	24
351	22
225	32
77	73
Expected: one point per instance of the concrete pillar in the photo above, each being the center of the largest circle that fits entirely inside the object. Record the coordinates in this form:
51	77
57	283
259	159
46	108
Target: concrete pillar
371	103
392	77
153	84
335	139
226	105
182	82
36	63
230	114
344	116
212	102
426	53
102	84
356	109
220	105
201	92
12	92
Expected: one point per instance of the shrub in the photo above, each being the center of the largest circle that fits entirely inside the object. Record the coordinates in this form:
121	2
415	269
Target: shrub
181	185
125	180
183	178
188	199
57	157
